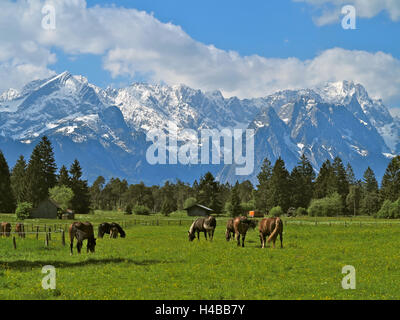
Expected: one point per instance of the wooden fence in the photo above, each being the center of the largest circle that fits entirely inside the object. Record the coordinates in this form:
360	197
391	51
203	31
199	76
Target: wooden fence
57	231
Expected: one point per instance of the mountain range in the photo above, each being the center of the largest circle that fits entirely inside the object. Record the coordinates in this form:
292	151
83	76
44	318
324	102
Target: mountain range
105	129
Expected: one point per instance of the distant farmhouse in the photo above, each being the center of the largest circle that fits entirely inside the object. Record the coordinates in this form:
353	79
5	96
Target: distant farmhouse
49	209
198	210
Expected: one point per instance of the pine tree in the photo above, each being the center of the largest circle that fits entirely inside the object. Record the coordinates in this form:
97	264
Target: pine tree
280	185
341	182
80	203
49	163
63	177
209	193
351	177
391	181
169	202
7	200
236	209
302	183
41	172
95	192
263	195
324	182
19	182
370	184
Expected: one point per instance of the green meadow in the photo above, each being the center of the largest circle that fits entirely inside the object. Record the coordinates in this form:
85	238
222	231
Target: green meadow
158	262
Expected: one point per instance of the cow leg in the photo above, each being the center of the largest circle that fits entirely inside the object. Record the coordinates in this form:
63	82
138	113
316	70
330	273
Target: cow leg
79	246
281	238
238	239
212	234
263	240
243	238
205	234
71	246
198	235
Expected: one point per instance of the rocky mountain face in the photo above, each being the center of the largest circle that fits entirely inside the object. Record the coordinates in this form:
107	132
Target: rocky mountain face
106	129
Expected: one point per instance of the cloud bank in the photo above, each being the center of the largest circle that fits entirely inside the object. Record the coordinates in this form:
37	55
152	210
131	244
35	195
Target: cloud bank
330	10
132	41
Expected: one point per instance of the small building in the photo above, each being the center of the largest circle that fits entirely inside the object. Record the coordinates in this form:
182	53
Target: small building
47	209
68	215
255	214
197	210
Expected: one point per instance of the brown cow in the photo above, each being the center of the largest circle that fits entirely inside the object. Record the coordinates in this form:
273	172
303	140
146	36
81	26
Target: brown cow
240	226
82	231
5	229
271	227
20	229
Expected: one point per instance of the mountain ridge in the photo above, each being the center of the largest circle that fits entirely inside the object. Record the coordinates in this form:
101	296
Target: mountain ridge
336	119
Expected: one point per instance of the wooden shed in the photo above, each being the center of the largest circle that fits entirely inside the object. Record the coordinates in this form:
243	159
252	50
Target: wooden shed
47	209
197	210
68	215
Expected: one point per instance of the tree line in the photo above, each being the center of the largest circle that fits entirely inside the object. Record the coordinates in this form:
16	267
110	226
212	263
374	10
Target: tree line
333	191
29	183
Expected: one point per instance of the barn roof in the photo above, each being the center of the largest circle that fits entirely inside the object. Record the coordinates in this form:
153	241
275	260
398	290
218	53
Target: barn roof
200	206
54	203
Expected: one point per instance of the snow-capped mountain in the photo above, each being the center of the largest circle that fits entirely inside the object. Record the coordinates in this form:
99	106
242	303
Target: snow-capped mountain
106	129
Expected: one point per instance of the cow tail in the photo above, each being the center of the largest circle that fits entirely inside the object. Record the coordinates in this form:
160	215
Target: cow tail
278	223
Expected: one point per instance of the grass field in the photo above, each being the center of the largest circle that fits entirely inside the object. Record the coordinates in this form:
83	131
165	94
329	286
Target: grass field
158	262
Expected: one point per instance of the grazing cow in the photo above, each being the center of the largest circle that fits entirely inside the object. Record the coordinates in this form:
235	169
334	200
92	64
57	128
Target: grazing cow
82	231
206	225
20	229
240	226
106	227
5	229
271	227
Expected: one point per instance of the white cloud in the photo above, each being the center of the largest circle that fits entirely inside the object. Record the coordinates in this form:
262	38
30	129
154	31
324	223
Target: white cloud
132	41
330	10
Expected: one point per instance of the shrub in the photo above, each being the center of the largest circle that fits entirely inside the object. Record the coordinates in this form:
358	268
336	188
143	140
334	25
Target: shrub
141	210
248	206
189	202
326	207
394	211
228	208
128	209
301	212
62	195
23	210
276	211
389	210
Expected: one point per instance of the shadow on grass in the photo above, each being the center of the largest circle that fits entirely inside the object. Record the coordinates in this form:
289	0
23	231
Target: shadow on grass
24	264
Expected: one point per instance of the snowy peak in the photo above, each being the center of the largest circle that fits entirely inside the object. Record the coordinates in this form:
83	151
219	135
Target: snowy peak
337	119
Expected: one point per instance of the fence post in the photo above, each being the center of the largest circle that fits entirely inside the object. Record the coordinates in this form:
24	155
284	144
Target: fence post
14	243
63	238
46	241
49	233
37	232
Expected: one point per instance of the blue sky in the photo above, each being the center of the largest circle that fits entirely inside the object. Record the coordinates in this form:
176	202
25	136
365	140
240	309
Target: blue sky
244	48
